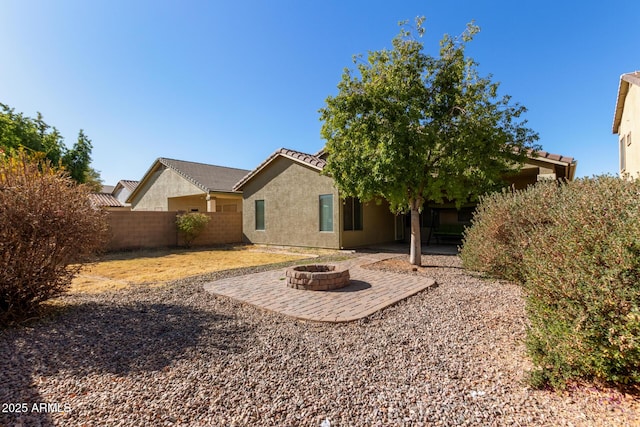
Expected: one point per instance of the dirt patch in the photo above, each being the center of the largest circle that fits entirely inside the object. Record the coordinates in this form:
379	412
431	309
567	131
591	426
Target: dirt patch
156	268
429	263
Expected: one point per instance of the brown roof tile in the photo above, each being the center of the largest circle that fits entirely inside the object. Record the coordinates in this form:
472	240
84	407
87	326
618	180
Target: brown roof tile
129	184
318	163
554	157
104	199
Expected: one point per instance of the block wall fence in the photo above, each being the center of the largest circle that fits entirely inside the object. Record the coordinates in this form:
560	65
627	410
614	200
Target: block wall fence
150	229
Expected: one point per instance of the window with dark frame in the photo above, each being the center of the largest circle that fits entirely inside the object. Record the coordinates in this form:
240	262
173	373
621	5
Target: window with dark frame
352	214
260	215
326	212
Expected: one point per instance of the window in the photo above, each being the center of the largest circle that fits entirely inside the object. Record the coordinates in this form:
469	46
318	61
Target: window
352	214
465	215
428	217
259	214
326	212
623	156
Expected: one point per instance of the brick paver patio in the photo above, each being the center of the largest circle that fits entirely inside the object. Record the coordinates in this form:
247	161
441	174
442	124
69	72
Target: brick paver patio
369	291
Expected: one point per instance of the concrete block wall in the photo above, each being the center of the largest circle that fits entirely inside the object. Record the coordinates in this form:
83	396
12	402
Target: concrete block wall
151	229
223	227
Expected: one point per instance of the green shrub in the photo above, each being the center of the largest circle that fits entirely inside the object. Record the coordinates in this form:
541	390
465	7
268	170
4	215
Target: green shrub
582	284
47	228
191	225
575	248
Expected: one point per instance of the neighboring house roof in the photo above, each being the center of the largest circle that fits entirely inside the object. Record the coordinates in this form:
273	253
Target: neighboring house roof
107	189
625	81
105	200
127	184
209	178
310	160
552	158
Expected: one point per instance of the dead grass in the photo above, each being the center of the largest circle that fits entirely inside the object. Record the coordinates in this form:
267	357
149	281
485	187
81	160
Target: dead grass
156	268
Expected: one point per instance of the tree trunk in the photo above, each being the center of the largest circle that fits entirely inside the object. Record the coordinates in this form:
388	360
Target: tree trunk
415	252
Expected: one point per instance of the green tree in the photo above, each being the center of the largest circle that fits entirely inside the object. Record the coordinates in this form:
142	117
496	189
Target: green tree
409	127
36	137
77	160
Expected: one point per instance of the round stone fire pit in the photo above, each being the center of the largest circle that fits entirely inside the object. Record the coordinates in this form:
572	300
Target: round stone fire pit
317	277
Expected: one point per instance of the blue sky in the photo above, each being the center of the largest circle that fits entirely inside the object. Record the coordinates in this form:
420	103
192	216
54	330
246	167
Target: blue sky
229	82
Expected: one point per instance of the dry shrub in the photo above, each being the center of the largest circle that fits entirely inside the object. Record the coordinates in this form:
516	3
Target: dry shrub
48	227
501	229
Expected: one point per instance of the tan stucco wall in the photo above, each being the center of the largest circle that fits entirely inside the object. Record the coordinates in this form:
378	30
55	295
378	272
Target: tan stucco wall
162	184
291	193
168	191
377	226
630	123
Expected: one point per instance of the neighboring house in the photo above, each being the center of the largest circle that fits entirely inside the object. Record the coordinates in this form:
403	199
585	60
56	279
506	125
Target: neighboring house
177	185
626	124
288	202
114	197
123	190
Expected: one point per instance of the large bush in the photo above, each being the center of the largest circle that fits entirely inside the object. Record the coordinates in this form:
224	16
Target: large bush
47	228
501	229
580	268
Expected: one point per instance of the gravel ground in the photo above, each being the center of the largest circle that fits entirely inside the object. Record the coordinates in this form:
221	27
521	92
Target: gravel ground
178	355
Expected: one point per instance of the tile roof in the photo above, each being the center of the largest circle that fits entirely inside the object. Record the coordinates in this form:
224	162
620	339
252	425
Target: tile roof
104	199
310	160
205	176
128	184
314	161
625	81
554	157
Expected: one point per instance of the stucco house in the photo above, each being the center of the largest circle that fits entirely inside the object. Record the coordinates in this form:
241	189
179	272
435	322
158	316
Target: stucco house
123	190
287	201
178	185
626	124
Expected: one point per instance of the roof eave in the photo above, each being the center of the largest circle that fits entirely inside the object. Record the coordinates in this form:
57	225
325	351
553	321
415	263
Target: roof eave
623	89
281	152
185	176
154	166
626	80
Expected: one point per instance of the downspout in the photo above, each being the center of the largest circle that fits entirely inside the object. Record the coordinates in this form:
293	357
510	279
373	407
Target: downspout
340	218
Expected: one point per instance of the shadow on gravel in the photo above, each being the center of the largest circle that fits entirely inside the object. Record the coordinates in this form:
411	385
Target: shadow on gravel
100	338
